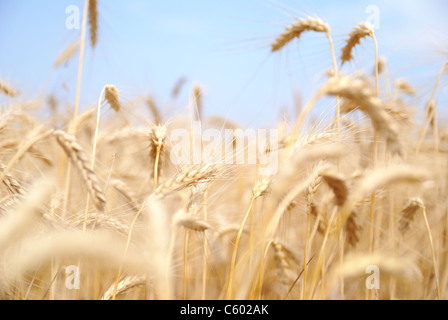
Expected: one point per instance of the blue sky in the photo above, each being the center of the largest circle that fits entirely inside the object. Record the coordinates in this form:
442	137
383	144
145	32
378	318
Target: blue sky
145	46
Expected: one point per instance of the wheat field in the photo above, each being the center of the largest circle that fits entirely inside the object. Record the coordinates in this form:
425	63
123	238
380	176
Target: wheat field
93	206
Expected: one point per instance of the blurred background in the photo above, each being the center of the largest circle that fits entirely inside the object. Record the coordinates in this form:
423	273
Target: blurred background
145	46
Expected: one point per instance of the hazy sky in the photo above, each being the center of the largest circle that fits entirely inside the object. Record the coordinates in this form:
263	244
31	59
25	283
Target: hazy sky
144	47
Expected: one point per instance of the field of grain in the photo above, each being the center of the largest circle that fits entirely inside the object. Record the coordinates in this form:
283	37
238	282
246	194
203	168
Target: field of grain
93	206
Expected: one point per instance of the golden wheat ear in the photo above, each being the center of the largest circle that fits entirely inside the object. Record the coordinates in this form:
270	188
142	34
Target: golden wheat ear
112	97
295	30
93	22
67	54
359	32
76	153
7	90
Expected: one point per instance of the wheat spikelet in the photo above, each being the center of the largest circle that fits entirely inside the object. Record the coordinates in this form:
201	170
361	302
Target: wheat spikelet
101	220
7	90
93	22
230	231
157	137
296	29
382	64
99	246
13	186
79	159
359	32
365	98
431	107
178	87
190	222
381	178
408	212
337	184
261	187
123	189
154	111
285	261
124	285
340	190
67	53
197	100
404	86
352	229
203	173
112	97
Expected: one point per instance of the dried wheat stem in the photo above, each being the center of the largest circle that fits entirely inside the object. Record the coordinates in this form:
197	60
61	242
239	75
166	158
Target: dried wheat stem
185	274
205	246
81	59
408	212
312	189
335	70
430	115
128	242
259	189
436	269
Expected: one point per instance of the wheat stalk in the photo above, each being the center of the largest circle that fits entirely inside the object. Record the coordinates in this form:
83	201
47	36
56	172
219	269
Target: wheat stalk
68	53
259	189
202	173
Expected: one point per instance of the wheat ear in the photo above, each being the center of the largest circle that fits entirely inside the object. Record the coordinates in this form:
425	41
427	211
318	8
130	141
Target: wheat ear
7	90
68	52
358	92
124	285
93	22
157	138
75	152
296	29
